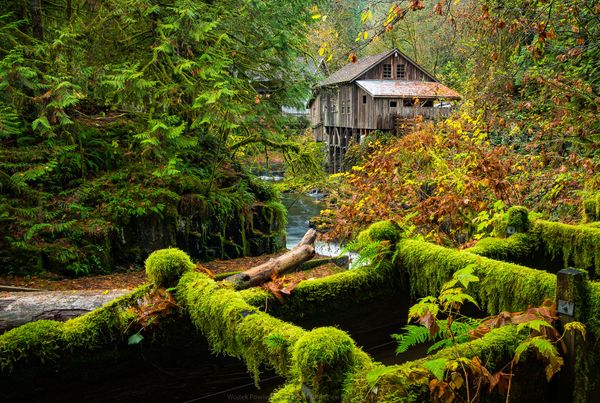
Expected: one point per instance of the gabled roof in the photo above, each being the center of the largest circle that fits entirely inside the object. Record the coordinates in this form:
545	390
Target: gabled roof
352	71
407	89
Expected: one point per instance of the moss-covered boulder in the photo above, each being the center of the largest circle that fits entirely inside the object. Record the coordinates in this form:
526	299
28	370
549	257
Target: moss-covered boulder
164	267
323	358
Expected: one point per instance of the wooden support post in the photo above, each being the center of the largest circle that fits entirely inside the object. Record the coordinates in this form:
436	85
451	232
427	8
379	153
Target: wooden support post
570	301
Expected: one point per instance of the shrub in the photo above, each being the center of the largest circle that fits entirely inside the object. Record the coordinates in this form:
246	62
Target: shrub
164	267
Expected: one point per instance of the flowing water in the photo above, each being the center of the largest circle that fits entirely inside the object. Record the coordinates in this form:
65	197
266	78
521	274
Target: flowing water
301	208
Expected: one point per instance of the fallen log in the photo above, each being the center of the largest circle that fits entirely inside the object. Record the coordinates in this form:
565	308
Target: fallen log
19	308
285	263
20	289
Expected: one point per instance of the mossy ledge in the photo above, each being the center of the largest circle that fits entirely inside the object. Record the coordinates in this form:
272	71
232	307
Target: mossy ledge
409	382
516	248
578	245
47	340
502	287
235	328
310	297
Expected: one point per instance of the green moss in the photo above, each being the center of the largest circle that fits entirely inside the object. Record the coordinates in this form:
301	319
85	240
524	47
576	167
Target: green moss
502	286
519	247
47	340
289	393
310	297
323	358
164	267
593	320
409	382
518	219
235	328
578	245
381	231
591	209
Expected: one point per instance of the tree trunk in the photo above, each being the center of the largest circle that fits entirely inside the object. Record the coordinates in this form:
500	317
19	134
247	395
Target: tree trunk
37	27
19	308
287	262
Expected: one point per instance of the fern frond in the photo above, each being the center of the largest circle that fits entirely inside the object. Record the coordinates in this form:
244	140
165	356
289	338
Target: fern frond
412	336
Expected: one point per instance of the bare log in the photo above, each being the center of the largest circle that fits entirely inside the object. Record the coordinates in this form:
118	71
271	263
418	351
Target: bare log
287	262
19	308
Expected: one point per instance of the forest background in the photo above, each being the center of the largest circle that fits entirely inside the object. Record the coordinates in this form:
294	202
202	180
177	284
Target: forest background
113	112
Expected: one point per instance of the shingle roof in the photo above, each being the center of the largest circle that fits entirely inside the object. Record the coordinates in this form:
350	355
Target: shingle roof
352	70
407	89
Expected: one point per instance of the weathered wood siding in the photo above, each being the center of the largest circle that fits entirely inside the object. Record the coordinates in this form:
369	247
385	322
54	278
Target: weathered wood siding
411	72
339	106
316	115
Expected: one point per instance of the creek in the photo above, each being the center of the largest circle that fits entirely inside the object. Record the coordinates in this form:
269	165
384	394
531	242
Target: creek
300	209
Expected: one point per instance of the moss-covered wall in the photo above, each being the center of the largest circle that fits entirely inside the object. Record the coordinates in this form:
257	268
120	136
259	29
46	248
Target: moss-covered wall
325	362
502	287
342	290
548	246
205	233
409	382
577	245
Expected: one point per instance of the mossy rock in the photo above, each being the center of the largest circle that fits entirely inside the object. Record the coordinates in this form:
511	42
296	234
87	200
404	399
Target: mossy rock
164	267
381	231
323	358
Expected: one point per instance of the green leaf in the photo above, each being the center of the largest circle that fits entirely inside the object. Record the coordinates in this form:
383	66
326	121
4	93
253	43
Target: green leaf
135	339
42	120
436	367
535	324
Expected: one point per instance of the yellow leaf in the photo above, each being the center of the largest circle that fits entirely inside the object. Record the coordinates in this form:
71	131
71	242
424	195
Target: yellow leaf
366	35
321	51
316	17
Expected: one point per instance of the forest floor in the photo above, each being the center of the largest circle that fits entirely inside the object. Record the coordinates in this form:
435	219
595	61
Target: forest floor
134	278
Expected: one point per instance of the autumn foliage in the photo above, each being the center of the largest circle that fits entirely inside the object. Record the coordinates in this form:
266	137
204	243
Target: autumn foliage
448	182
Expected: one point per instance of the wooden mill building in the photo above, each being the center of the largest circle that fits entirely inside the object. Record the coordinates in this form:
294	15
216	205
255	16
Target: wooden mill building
385	92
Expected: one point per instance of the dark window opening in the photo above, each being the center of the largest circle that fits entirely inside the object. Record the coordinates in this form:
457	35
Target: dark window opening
408	102
428	103
400	72
387	71
393	104
364	99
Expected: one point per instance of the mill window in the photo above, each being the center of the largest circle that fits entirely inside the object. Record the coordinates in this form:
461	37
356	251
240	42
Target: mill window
387	71
400	72
393	104
364	99
348	107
